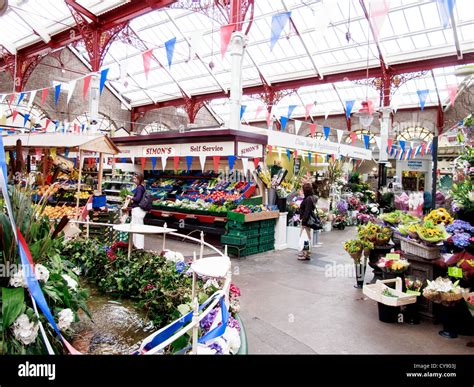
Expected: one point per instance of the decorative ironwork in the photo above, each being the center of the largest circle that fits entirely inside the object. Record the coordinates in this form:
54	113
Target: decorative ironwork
192	107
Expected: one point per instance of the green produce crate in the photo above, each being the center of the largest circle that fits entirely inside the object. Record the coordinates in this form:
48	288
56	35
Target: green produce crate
270	238
251	242
232	224
256	200
267	231
267	223
247	233
242	252
266	247
233	240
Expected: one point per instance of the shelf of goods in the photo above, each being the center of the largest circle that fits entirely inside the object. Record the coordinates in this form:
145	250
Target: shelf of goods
195	200
113	188
64	194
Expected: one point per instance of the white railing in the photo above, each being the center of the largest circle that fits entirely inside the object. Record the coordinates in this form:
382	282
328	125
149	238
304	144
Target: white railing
197	317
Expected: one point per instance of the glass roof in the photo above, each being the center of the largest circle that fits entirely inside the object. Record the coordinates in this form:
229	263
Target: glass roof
332	36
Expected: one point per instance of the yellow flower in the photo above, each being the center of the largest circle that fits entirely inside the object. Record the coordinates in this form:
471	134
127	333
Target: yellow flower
373	228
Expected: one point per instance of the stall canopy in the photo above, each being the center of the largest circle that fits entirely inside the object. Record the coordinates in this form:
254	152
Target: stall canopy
90	143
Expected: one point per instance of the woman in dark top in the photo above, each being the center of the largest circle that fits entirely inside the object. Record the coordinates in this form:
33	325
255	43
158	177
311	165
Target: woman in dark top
137	213
306	208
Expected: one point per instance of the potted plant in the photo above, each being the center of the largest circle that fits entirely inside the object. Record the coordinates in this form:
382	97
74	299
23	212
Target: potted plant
413	286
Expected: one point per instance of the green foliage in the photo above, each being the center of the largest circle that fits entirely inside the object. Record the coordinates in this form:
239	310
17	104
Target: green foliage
12	305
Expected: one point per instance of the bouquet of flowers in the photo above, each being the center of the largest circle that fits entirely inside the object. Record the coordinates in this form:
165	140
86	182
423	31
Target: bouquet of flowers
342	207
340	221
354	247
431	234
465	261
393	265
401	202
438	216
413	285
462	234
375	233
444	291
364	218
354	203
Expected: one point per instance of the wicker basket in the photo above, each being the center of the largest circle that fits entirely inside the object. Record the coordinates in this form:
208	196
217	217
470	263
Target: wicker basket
411	247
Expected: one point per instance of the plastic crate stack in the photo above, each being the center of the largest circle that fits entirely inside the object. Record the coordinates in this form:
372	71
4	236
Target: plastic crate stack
104	233
249	238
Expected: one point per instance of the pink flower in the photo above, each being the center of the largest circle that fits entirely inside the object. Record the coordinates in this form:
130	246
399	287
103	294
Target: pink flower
234	290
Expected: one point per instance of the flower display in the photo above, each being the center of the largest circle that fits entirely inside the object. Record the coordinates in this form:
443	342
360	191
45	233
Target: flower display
66	317
465	261
460	226
393	265
207	321
430	233
443	290
71	283
342	207
41	272
413	284
18	280
398	217
172	256
180	266
439	216
25	330
355	248
232	338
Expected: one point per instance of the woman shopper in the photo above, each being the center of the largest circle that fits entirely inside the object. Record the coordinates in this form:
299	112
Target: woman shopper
137	213
307	208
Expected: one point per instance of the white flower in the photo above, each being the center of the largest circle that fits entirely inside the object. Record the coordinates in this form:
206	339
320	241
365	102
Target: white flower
205	350
173	256
77	270
211	282
71	283
234	306
18	280
232	336
41	272
471	196
24	330
66	317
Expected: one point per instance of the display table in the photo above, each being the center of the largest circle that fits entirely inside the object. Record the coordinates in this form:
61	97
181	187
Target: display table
424	269
142	229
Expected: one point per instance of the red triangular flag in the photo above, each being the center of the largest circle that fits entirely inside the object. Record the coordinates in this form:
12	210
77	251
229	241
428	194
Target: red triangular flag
12	98
87	82
146	61
44	93
389	144
452	92
256	161
312	129
269	147
308	108
332	157
259	110
216	160
176	162
423	149
295	154
143	161
353	137
226	33
14	114
48	121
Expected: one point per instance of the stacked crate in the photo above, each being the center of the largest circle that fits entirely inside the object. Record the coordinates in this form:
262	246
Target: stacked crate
249	238
104	233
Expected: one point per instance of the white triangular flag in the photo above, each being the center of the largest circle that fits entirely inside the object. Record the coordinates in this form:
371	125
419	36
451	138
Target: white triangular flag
303	156
378	140
339	135
133	159
32	98
245	165
164	158
71	87
2	97
202	160
326	114
123	69
195	40
66	125
298	126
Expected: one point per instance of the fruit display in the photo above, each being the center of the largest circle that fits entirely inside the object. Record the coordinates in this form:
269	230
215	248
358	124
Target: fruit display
254	208
57	212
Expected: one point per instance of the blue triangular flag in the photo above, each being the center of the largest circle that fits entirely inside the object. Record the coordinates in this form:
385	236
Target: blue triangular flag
231	160
3	160
409	154
328	157
103	78
402	145
56	125
283	121
169	45
309	157
26	117
445	9
124	160
431	148
349	106
22	95
402	153
326	129
189	161
242	110
83	127
288	154
57	90
290	110
278	24
366	141
422	95
153	163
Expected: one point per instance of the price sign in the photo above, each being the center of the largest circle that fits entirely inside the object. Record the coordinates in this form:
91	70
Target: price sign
393	256
413	292
455	272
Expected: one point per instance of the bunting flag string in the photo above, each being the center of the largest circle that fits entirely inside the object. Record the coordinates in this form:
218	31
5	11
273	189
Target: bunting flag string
146	57
189	161
339	135
445	10
288	154
259	110
14	115
279	22
231	160
22	95
26	117
31	99
349	106
283	122
402	145
216	160
307	110
44	93
72	86
245	165
312	129
298	126
366	141
256	161
143	162
452	92
153	163
291	108
176	162
309	157
226	34
87	82
164	159
169	46
202	161
103	78
422	95
242	111
353	137
326	132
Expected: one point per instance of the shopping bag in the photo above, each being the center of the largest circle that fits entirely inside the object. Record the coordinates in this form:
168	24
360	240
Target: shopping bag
303	238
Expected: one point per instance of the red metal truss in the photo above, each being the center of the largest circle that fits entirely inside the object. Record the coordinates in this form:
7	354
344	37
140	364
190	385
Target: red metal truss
353	75
106	22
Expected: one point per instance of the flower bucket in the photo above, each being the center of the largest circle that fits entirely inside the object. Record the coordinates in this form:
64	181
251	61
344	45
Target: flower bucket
360	274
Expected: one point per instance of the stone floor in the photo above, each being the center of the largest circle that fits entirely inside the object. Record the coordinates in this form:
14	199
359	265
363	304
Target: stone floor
300	307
